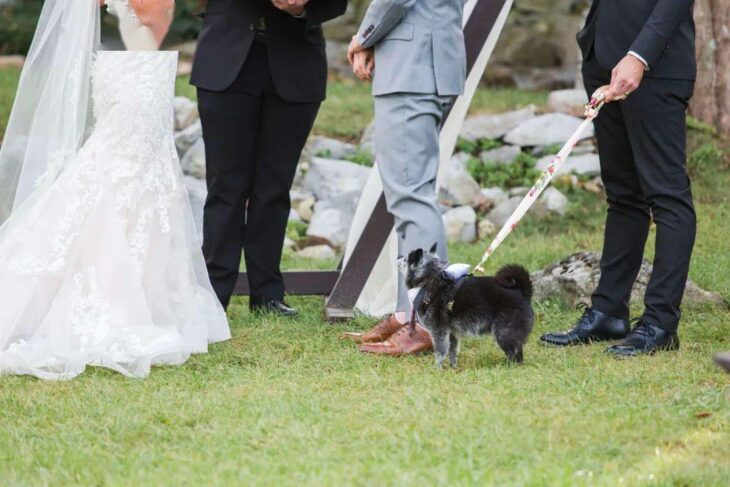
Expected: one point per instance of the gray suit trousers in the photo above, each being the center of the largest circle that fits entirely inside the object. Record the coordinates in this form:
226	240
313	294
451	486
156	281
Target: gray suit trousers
407	129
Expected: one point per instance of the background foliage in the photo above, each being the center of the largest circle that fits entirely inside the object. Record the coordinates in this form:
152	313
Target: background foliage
18	20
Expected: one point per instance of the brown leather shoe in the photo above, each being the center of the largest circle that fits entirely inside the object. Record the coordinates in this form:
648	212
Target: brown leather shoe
383	330
403	342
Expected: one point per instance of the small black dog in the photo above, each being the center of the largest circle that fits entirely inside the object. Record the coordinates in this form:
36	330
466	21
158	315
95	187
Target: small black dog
450	309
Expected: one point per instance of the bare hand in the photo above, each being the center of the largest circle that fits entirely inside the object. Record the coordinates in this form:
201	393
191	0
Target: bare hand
292	7
364	64
625	78
353	49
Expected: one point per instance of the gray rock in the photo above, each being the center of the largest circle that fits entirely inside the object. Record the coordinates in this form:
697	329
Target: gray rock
333	148
582	164
495	126
460	224
585	147
298	195
501	213
458	187
552	128
329	178
573	279
294	215
486	228
570	102
552	201
197	192
495	195
185	139
186	112
317	252
332	219
367	141
193	162
501	155
518	191
305	208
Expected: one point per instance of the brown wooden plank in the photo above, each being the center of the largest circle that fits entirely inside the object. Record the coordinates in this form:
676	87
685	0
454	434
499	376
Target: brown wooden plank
318	283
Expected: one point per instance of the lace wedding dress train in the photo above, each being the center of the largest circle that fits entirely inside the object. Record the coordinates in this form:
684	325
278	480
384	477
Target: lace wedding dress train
103	267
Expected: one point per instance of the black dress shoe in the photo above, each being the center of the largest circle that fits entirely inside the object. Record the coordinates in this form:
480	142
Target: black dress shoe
645	339
593	326
277	307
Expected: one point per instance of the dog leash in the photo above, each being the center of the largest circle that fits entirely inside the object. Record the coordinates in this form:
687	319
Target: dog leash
592	108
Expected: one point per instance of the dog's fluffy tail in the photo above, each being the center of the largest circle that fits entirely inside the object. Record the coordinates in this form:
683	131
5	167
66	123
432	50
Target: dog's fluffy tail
515	277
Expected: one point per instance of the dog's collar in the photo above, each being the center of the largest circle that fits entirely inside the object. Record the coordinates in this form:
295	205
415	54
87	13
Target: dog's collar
424	299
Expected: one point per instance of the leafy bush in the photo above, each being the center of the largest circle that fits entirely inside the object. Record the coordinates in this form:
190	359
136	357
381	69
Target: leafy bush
476	147
19	21
521	172
706	157
18	25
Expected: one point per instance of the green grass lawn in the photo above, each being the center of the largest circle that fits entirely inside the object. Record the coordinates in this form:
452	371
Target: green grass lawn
288	403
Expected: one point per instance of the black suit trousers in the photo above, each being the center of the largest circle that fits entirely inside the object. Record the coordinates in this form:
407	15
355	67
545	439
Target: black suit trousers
253	141
642	146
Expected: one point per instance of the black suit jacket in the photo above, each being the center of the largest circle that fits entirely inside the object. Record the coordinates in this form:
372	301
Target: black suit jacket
296	47
660	31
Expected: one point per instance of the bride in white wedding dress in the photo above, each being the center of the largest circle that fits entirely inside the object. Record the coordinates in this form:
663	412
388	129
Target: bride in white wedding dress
99	260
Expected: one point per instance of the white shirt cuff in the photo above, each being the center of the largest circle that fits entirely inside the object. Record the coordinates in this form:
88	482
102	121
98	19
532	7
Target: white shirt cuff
638	56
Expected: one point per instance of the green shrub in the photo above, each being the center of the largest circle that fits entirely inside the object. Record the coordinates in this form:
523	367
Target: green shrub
18	25
19	21
476	147
706	157
521	172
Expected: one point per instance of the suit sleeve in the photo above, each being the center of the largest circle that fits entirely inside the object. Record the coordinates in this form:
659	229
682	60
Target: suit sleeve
658	30
381	17
320	11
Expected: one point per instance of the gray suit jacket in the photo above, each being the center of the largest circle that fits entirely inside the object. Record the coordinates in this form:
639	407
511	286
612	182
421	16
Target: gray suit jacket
419	46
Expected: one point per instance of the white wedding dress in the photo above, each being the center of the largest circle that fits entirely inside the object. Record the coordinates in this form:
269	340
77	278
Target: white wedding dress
103	267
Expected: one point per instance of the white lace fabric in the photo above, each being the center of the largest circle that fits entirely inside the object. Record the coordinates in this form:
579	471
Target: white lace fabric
103	267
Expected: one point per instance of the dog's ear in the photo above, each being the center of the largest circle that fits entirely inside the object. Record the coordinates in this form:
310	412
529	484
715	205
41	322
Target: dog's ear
434	248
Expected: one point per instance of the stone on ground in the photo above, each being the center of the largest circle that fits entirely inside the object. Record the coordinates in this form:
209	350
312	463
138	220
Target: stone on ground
495	195
574	278
317	252
501	213
193	162
458	187
332	219
582	164
486	228
186	112
329	178
461	224
367	141
495	126
552	201
571	102
320	146
185	139
548	129
501	155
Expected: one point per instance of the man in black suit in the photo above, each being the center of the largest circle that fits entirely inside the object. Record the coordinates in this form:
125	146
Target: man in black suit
261	73
645	51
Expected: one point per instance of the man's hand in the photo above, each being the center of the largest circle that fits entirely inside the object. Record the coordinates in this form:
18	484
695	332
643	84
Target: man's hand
292	7
364	64
353	49
625	78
